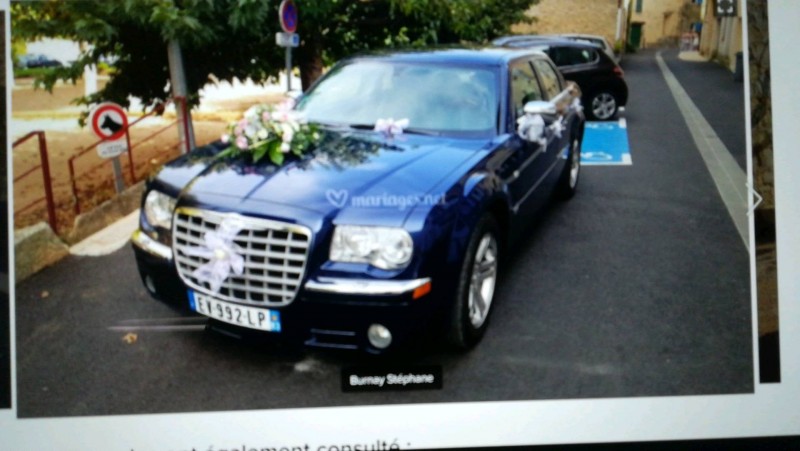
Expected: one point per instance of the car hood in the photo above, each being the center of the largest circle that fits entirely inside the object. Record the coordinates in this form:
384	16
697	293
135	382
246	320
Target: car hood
351	171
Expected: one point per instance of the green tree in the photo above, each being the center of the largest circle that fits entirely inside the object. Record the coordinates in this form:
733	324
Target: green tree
226	39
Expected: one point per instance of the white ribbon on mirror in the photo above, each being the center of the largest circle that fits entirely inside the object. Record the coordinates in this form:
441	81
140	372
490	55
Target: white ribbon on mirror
531	128
576	104
558	126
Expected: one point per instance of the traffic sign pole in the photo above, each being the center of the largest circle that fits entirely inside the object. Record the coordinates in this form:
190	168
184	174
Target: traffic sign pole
119	182
288	69
110	123
287	16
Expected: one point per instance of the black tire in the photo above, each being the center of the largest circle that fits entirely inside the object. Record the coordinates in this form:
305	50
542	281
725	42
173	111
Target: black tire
463	333
568	182
602	106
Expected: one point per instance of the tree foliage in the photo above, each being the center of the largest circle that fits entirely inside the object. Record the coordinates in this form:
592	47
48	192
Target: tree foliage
227	39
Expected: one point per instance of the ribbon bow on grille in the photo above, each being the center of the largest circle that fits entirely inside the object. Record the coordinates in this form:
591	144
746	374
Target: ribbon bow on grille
223	254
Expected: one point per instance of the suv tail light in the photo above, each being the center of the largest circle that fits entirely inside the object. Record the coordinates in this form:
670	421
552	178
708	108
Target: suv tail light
618	71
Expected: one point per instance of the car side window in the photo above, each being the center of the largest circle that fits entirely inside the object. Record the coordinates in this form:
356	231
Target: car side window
524	87
571	56
551	82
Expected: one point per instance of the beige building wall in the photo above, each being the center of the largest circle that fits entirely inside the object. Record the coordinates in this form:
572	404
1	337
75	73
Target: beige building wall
597	17
721	37
661	19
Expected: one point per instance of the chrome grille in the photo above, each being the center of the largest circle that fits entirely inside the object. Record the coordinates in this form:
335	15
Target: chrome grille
274	253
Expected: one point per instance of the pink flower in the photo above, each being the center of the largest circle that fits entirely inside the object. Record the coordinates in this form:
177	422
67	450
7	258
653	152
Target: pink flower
225	139
283	111
238	130
241	142
265	116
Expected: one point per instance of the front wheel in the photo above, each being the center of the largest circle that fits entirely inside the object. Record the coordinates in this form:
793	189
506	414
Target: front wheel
603	106
476	286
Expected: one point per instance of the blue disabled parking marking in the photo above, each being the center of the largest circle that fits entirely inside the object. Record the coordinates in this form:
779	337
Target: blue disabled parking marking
606	143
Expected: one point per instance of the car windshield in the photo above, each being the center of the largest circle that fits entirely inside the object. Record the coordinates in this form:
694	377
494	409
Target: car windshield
436	99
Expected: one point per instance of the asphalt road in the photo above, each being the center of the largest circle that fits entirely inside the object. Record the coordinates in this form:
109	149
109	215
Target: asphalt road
639	286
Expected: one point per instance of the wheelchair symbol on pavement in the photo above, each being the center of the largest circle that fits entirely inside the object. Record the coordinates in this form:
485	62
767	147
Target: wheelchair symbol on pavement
596	156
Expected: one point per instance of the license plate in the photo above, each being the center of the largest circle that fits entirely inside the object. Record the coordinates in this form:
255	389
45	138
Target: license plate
240	315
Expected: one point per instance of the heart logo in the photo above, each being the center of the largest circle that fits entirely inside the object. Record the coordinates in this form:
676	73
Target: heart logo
337	197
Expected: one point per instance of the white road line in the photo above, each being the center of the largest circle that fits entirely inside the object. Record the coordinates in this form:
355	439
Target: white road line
729	178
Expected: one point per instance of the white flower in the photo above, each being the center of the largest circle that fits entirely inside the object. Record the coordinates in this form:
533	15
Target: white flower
288	132
251	114
262	134
285	147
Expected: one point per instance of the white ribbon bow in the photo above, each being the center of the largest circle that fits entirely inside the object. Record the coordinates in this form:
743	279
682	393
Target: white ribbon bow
391	127
558	126
576	104
531	128
223	253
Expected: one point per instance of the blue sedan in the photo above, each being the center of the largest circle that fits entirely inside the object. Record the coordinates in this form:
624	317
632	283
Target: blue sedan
427	166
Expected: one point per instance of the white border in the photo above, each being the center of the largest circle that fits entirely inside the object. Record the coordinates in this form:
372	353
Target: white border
773	410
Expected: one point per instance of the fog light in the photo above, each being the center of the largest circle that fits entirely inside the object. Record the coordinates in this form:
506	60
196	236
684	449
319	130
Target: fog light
379	336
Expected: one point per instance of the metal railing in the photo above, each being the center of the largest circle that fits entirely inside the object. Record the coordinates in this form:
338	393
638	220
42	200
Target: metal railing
48	183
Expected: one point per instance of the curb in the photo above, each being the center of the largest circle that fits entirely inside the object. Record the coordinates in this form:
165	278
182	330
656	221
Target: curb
37	247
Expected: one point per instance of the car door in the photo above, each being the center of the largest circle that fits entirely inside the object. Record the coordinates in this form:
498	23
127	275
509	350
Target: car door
580	64
524	166
555	90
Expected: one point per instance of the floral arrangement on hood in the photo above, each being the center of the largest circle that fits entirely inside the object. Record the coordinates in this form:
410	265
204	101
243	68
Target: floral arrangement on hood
270	131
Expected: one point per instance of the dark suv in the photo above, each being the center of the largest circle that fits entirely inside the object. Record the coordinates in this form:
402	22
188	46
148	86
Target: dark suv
599	77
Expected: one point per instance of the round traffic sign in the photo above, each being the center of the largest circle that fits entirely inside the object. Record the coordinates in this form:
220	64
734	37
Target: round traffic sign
109	121
287	14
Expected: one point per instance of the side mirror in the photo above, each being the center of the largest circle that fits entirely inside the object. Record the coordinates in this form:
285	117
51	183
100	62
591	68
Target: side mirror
540	107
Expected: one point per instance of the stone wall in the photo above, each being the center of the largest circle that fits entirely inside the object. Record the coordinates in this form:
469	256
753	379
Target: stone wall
597	17
760	103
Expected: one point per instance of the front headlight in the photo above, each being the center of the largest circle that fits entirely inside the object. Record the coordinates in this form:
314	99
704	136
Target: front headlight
382	247
158	208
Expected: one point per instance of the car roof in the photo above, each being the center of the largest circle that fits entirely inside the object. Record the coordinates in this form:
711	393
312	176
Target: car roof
538	40
584	36
491	56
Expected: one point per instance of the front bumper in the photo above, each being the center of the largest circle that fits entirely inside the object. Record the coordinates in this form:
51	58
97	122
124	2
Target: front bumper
327	312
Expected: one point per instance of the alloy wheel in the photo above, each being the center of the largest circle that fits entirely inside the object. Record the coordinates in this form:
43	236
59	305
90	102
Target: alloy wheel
484	277
604	105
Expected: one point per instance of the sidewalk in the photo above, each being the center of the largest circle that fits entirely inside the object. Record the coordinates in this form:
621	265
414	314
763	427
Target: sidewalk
717	95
